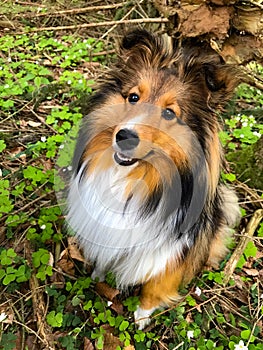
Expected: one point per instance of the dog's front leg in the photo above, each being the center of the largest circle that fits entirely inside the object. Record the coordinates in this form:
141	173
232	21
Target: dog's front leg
160	290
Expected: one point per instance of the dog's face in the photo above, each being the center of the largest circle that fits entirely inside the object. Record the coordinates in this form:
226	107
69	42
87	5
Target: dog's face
155	115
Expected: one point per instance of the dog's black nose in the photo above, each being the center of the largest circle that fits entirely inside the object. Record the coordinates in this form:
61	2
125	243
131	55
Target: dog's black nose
127	139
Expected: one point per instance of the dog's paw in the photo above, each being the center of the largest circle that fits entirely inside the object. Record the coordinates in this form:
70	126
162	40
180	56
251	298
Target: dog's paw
142	317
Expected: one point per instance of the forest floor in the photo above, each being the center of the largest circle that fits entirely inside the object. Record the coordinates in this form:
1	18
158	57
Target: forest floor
51	56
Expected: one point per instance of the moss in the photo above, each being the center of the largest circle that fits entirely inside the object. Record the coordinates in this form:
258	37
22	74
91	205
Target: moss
248	164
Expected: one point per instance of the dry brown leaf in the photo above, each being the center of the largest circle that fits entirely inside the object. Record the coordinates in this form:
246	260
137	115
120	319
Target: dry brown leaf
88	344
74	251
238	282
259	254
91	64
65	263
111	342
58	279
33	124
7	314
251	272
189	318
31	343
16	151
18	341
117	307
106	291
204	19
47	164
23	123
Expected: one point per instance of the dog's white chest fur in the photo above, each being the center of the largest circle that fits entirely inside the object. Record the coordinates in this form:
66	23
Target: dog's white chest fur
112	233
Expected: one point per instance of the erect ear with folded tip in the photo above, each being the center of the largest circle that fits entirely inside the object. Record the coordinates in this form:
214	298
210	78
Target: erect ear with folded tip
137	37
136	45
204	69
221	80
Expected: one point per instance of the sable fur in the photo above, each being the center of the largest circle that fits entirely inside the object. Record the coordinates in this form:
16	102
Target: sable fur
166	214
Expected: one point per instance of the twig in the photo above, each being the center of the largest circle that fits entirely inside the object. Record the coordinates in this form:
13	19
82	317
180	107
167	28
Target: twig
253	193
32	202
43	121
27	3
252	79
39	307
99	24
179	345
30	330
73	11
250	229
121	20
257	317
255	3
201	304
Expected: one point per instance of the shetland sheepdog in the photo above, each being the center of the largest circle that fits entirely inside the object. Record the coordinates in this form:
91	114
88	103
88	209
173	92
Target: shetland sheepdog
145	198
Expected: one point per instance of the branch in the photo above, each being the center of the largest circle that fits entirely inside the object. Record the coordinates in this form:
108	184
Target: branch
252	79
39	306
238	252
99	24
73	11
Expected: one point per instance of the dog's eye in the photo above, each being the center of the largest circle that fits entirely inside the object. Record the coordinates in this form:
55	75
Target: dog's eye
168	114
133	98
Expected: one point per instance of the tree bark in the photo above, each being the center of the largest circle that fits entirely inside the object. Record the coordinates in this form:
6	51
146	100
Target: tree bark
234	28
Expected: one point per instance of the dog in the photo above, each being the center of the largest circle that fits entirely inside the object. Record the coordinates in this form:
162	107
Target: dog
145	199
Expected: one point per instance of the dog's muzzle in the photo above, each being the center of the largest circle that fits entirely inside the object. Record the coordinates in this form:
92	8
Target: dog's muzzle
126	140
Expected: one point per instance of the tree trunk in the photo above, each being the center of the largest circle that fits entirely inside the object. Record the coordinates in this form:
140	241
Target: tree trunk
233	28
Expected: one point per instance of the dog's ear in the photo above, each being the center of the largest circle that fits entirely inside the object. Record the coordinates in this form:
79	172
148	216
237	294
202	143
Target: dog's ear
205	69
140	48
221	77
137	38
138	44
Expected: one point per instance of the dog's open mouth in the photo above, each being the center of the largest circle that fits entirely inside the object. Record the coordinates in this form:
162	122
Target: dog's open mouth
122	159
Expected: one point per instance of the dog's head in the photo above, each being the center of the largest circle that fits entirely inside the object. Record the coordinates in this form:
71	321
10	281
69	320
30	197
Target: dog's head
154	117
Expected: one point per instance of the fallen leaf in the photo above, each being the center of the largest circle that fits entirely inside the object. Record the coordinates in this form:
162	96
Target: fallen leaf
91	64
74	250
189	318
251	272
117	307
51	259
240	284
58	279
106	291
33	124
18	152
259	254
47	164
111	342
65	263
22	123
88	344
